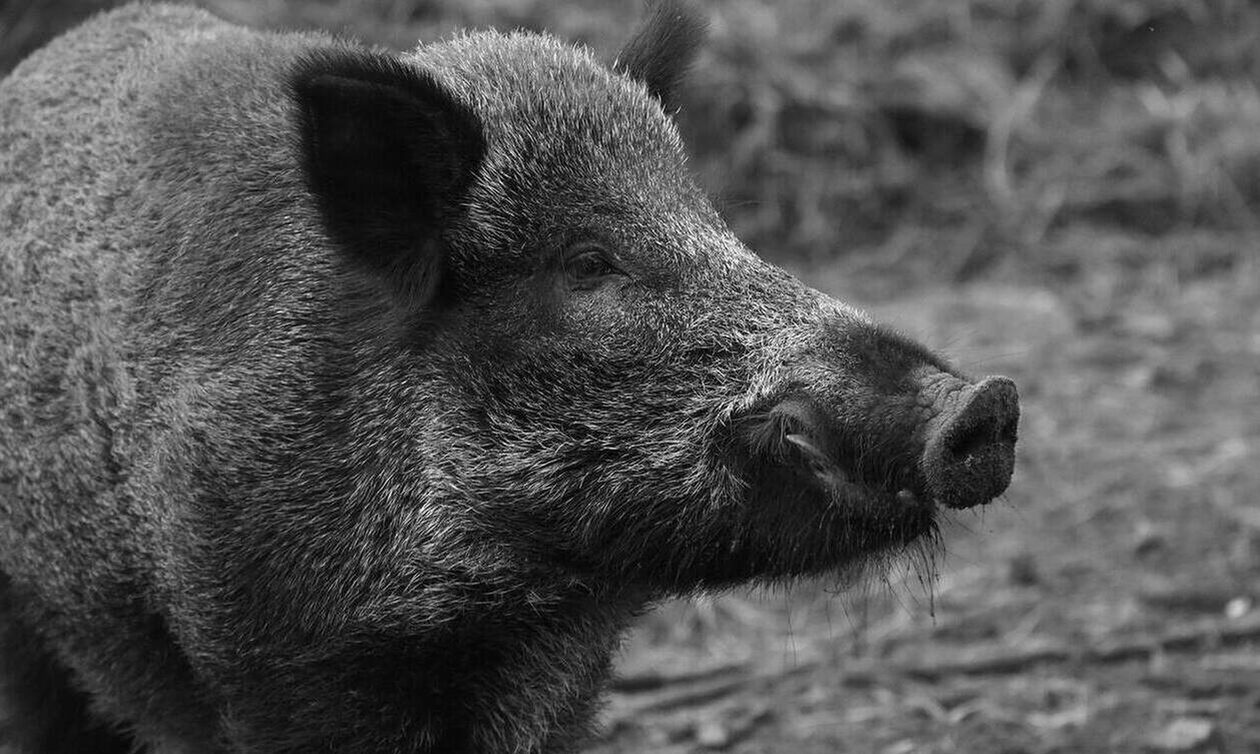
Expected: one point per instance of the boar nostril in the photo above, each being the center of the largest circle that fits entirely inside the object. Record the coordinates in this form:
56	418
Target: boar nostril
971	441
1009	432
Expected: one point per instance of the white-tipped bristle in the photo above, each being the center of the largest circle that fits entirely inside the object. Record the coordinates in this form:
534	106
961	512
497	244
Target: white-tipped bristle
803	442
831	475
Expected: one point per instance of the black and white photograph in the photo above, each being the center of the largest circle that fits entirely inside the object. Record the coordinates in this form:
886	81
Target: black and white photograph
629	376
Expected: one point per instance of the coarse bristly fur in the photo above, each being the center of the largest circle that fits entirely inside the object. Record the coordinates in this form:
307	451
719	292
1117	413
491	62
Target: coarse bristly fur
355	401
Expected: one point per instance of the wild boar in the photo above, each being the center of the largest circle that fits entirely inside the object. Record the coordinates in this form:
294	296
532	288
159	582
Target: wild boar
357	401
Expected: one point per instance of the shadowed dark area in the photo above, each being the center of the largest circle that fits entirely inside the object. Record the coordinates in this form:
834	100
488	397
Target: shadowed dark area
52	713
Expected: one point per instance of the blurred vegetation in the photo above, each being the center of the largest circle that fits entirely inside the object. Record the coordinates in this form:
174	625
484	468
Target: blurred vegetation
930	137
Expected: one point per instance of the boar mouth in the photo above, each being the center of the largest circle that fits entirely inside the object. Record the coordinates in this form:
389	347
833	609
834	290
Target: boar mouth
896	506
798	469
830	472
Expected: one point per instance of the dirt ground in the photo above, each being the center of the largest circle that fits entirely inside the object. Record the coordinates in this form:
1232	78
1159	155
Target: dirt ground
1062	191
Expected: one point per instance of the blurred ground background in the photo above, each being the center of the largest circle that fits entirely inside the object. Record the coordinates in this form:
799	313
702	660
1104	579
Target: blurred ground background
1063	191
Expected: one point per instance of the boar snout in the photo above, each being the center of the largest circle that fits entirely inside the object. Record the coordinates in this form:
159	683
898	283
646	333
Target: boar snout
946	441
970	451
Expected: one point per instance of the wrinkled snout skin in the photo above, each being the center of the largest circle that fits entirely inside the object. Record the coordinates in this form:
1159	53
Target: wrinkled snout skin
356	401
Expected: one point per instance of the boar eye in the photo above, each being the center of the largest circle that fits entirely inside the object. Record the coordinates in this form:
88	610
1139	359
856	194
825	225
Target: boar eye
588	265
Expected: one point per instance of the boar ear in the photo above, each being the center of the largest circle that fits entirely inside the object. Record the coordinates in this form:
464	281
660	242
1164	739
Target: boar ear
387	152
663	48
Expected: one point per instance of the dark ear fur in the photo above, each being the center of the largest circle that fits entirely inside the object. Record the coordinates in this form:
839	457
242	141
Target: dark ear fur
663	48
387	152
